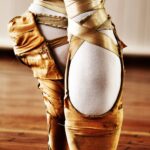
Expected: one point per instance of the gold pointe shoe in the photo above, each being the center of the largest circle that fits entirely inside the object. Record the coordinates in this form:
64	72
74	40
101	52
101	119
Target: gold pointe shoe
35	51
92	132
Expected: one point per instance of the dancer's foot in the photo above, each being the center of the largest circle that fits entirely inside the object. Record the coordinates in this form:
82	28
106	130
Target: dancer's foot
37	51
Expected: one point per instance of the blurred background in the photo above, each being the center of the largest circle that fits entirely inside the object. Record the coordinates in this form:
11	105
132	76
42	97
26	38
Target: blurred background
131	18
22	114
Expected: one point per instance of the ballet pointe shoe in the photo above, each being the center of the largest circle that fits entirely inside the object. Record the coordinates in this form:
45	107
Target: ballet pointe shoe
100	132
34	51
56	136
93	133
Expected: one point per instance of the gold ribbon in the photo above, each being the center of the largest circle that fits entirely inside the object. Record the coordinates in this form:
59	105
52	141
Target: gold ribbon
88	28
55	5
53	21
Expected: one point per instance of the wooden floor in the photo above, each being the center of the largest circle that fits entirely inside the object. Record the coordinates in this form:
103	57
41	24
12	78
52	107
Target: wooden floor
22	114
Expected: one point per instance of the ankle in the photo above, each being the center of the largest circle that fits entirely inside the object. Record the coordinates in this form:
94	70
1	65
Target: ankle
82	16
48	32
36	8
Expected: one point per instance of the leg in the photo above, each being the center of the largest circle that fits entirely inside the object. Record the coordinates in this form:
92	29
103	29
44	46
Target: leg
50	33
98	78
37	51
56	132
93	107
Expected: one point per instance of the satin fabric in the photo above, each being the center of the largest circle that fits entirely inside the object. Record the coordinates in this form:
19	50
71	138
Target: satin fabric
93	132
83	132
55	5
34	51
101	132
